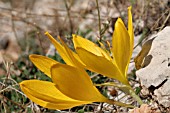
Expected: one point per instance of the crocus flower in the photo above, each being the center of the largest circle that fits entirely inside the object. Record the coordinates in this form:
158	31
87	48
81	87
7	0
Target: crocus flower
98	60
71	85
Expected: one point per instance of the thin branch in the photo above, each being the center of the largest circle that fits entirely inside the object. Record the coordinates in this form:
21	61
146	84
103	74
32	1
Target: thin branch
68	14
39	38
99	21
167	18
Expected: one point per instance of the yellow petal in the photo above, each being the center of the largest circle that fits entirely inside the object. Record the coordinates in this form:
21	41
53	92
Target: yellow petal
89	46
62	51
100	65
121	46
130	28
75	83
43	63
73	56
47	95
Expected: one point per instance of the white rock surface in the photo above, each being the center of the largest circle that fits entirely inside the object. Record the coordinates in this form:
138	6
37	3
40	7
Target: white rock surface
157	73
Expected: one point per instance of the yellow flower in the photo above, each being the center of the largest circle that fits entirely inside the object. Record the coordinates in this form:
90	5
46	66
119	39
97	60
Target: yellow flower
98	60
71	85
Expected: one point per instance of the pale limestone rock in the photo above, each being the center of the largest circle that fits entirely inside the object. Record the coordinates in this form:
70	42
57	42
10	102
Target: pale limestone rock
157	73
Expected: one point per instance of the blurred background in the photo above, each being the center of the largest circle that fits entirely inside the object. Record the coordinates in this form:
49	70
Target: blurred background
24	22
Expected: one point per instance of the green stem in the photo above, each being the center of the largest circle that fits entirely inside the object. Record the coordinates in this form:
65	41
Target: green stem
99	20
125	88
136	97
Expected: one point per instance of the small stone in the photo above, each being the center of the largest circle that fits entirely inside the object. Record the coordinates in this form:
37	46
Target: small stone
145	91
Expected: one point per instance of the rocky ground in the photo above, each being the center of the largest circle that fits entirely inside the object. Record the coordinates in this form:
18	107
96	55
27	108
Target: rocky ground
23	23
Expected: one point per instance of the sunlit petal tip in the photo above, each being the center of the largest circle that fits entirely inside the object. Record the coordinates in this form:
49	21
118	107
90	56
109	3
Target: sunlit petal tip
119	19
118	22
43	63
21	83
130	8
33	56
50	37
130	28
74	35
30	56
46	33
